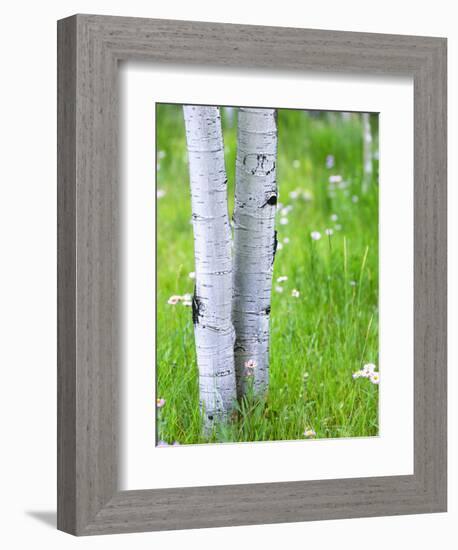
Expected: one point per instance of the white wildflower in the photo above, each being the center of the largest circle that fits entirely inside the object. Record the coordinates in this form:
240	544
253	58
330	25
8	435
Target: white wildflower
336	178
375	378
334	217
279	288
283	221
316	235
192	275
329	232
160	193
368	371
309	432
282	278
295	293
173	300
286	240
369	368
307	195
285	210
294	194
161	154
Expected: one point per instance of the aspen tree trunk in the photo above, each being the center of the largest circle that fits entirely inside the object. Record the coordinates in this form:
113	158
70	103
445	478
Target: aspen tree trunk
254	244
213	329
367	151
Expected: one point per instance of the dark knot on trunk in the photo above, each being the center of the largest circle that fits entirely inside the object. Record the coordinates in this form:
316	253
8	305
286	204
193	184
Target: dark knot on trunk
196	305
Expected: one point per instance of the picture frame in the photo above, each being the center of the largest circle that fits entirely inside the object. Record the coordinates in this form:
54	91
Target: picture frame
89	50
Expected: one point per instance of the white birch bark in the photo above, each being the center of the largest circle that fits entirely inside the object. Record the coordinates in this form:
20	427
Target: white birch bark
213	329
254	244
367	151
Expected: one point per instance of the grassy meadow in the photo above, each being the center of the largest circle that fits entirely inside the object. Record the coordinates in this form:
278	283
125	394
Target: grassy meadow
324	316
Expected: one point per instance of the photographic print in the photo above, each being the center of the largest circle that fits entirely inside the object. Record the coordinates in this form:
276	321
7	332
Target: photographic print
266	274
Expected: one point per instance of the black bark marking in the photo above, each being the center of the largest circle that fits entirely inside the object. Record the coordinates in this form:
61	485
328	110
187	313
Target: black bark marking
223	373
196	306
275	246
271	200
259	164
267	310
272	169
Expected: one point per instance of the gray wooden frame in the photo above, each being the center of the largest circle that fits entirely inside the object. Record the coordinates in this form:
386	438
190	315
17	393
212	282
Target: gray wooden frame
89	49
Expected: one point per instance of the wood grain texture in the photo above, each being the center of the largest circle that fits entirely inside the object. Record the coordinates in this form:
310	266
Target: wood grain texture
90	48
66	274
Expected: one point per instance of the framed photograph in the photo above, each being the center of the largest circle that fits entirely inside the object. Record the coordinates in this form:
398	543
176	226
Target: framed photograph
251	274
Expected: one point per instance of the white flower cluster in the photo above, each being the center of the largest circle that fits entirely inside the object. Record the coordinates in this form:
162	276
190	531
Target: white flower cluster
185	300
301	193
368	371
330	161
280	280
284	211
337	183
336	178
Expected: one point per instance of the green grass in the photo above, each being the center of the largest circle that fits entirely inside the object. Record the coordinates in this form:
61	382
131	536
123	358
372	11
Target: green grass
318	339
